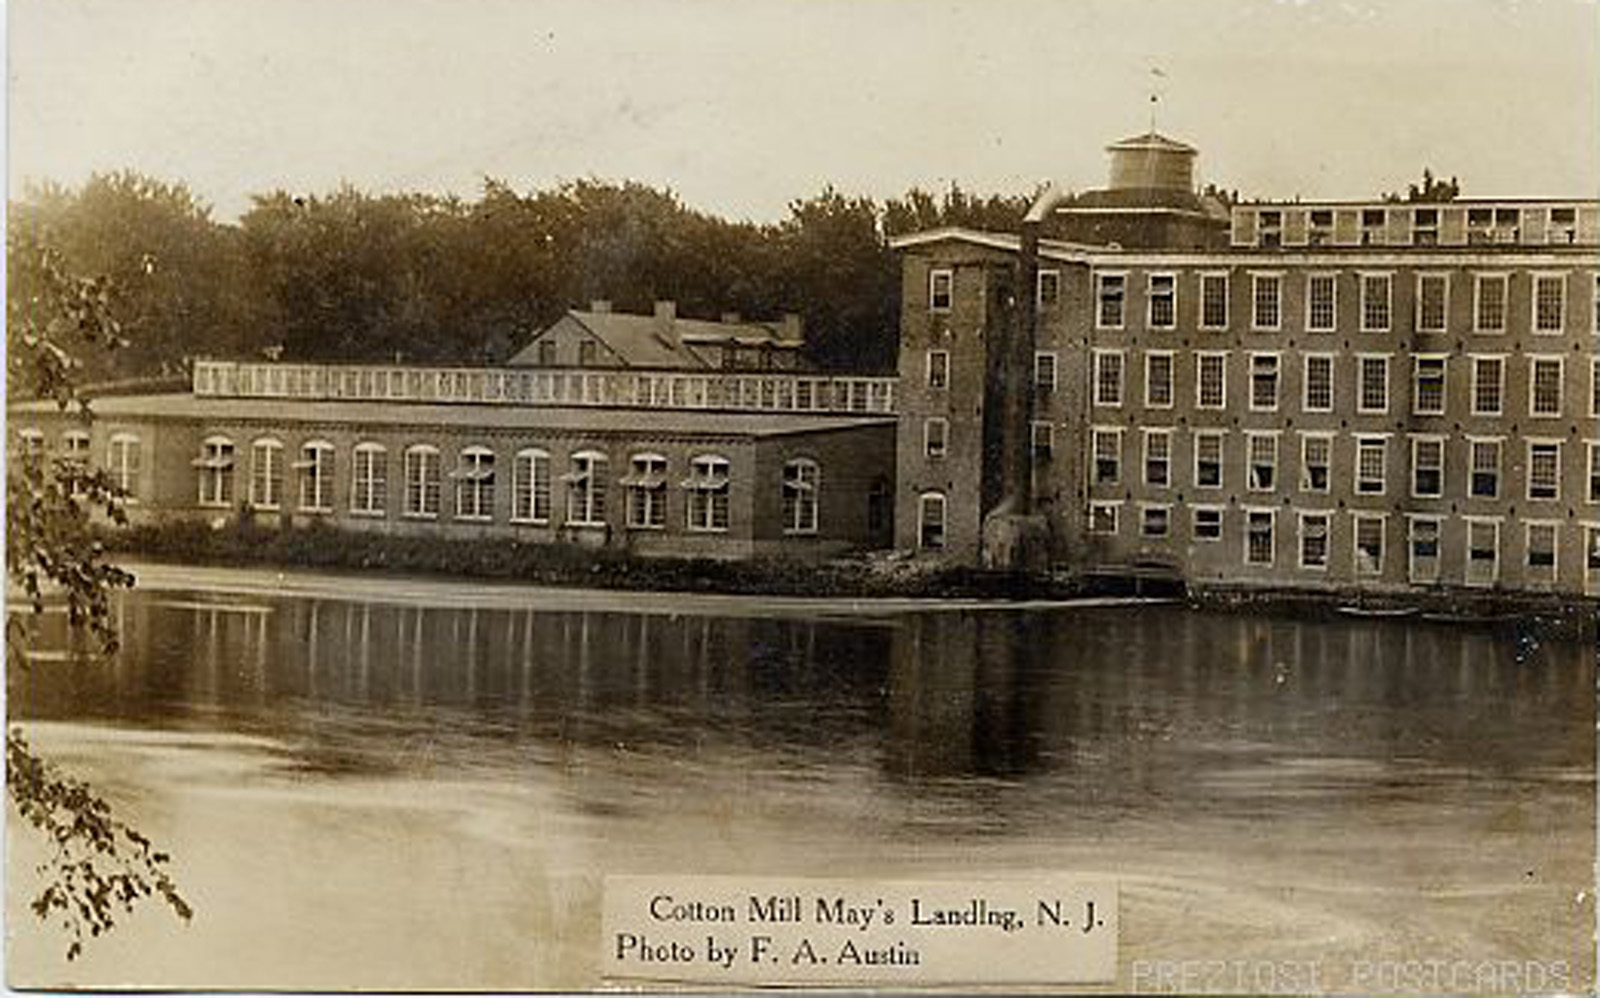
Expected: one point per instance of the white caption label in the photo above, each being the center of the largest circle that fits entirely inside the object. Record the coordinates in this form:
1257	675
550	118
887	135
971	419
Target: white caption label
1048	929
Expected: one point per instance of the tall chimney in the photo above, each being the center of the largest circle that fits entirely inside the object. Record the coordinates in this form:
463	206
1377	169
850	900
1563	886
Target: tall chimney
667	323
791	328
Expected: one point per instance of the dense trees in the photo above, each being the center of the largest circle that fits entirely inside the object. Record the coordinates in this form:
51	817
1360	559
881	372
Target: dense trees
348	275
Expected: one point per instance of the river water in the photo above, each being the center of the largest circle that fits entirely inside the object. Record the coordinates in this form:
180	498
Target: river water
382	786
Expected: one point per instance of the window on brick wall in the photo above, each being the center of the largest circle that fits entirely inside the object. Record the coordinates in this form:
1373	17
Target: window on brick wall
1155	521
1207	523
1423	536
1369	534
1107	456
1266	300
938	368
1485	482
1540	548
1049	288
802	487
1321	303
1427	467
1314	528
941	289
1488	385
369	479
1258	537
1433	293
1158	379
1262	451
935	437
1373	385
1489	292
1428	385
1370	455
1316	461
1263	382
266	474
708	486
1044	373
1108	377
1214	301
1375	302
122	461
931	521
531	486
1163	294
1544	386
1211	380
1102	518
646	485
1207	459
1592	448
1549	303
1042	437
315	470
1112	294
1483	552
1318	383
1158	458
1544	469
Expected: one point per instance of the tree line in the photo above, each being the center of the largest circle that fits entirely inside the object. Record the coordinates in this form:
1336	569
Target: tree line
423	278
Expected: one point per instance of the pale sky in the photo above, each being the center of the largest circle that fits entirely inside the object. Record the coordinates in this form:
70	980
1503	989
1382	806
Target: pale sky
742	105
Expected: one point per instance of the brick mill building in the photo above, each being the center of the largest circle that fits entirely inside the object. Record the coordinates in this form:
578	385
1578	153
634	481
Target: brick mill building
1345	396
1374	395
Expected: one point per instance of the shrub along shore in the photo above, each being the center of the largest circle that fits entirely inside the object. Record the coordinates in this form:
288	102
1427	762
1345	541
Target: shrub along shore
319	546
243	543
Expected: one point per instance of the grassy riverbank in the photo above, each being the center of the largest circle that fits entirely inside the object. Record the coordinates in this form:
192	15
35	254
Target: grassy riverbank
325	547
244	543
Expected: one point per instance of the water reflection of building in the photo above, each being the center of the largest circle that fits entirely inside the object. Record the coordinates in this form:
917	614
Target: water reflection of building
1092	705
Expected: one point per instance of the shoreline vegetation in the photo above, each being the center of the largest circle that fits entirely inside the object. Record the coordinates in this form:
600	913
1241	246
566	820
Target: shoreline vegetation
244	543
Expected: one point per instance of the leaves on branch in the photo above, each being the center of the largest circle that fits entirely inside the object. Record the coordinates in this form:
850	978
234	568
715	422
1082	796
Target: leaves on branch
98	866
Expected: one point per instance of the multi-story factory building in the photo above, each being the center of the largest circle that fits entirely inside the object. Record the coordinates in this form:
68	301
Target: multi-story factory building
1310	394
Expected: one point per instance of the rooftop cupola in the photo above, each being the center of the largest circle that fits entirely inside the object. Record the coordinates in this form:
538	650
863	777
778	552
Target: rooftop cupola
1152	162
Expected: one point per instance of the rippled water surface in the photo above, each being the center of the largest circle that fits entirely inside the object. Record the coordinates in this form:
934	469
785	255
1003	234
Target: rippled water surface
364	789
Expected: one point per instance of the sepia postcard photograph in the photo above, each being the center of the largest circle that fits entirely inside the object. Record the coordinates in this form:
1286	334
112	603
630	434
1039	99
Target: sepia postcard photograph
1029	496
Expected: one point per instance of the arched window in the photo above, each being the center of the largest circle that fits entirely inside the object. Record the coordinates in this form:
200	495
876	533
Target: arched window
647	492
266	474
369	480
215	464
530	487
422	481
586	489
801	481
707	486
122	461
474	477
930	521
75	449
32	440
75	446
316	477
